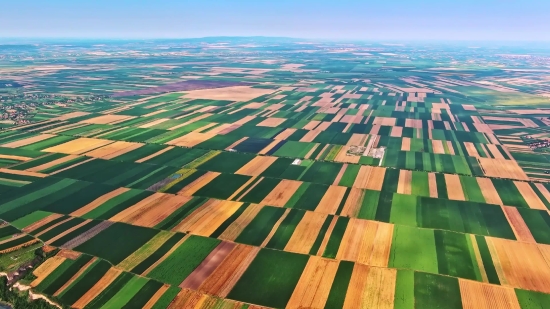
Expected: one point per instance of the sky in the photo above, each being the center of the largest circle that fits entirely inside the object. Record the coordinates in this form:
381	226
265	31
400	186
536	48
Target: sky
391	20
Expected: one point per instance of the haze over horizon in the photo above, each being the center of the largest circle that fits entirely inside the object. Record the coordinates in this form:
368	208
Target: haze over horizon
482	20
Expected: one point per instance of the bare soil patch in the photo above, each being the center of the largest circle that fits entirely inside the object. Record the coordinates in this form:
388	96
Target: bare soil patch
187	85
208	266
238	92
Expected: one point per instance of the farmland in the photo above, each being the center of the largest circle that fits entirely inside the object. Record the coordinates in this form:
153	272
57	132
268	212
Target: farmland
243	174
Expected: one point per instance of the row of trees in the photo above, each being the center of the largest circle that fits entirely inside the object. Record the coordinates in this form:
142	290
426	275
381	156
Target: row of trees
20	300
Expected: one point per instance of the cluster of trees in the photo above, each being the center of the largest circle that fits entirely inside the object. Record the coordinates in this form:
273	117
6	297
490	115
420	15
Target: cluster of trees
20	300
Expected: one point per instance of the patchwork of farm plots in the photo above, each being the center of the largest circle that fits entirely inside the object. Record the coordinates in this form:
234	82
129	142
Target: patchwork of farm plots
302	195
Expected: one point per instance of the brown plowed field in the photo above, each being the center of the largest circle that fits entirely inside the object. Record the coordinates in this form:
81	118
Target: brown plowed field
353	202
454	187
479	260
325	240
310	136
208	217
179	243
406	144
231	93
78	146
28	141
208	266
494	151
52	163
489	191
241	192
242	221
145	251
275	227
69	167
46	268
521	230
471	149
230	270
542	189
67	231
150	200
191	139
306	233
437	147
314	285
72	115
331	200
104	282
370	177
24	173
340	174
342	155
52	227
545	250
280	195
113	150
154	213
530	195
98	201
477	295
502	169
405	180
155	298
68	254
82	238
271	122
285	134
521	264
158	153
451	148
256	166
78	273
154	122
41	222
269	147
371	287
396	131
186	299
196	185
366	242
107	119
432	184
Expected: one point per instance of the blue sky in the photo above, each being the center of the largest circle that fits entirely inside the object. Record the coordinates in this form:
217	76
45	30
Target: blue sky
500	20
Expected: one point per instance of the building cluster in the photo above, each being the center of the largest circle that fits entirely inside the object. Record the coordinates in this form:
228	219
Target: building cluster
20	108
537	143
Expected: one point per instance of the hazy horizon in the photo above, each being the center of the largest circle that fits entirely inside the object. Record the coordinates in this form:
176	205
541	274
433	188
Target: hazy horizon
470	44
398	20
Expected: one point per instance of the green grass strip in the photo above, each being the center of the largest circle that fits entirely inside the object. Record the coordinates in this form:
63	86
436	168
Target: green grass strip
110	291
126	293
30	219
532	299
404	290
339	287
336	237
490	269
321	235
166	298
